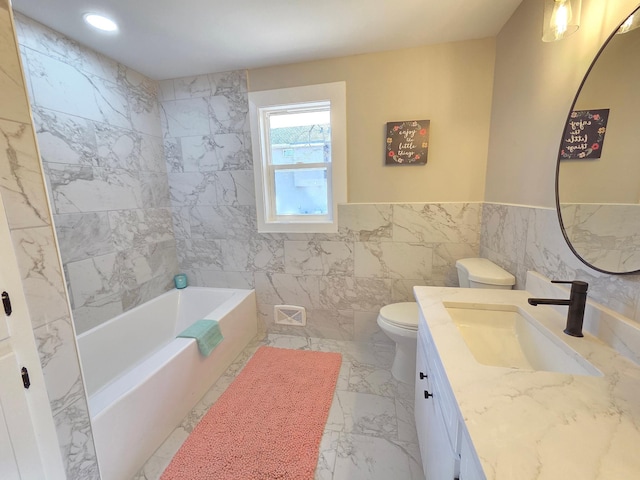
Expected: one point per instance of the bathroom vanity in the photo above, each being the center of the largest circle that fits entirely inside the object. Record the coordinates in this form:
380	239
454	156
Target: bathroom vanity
444	444
502	393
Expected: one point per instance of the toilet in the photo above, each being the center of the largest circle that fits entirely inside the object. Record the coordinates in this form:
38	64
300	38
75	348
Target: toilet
483	273
399	321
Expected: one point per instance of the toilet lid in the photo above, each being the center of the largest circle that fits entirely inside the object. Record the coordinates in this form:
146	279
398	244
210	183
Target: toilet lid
404	314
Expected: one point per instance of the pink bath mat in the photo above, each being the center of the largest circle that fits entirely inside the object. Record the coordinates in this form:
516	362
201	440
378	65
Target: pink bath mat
267	425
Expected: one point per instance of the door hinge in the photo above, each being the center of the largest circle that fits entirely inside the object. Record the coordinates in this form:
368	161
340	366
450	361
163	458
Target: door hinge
25	377
6	302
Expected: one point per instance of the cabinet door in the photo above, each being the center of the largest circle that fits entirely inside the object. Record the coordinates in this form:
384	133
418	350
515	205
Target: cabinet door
470	468
420	404
440	461
438	457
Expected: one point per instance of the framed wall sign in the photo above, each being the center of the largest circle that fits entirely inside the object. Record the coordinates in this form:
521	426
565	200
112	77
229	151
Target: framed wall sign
407	142
584	134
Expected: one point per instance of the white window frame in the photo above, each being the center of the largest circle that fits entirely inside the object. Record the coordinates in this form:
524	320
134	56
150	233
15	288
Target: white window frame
261	104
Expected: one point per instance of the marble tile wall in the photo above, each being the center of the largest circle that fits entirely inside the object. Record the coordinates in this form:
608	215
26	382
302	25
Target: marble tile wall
379	253
605	235
98	129
523	238
24	197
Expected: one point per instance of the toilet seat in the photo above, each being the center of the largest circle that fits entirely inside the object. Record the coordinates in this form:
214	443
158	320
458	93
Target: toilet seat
402	315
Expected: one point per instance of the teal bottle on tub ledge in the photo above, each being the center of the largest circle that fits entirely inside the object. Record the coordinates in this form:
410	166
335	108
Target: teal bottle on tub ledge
180	280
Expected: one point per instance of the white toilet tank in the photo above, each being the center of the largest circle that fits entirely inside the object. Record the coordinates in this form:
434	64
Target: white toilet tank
483	273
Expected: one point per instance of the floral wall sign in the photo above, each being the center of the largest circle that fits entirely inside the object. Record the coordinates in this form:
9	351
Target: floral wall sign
584	134
407	142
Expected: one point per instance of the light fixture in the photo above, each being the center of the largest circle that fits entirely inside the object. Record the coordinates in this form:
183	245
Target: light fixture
631	23
561	19
100	22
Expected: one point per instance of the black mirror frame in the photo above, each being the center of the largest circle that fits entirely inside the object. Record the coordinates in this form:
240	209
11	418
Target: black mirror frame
557	189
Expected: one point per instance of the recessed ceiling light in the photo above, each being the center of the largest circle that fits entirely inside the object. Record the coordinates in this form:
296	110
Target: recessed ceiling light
100	22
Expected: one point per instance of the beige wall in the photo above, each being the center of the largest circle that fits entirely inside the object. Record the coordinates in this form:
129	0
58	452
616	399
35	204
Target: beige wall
534	86
449	84
612	84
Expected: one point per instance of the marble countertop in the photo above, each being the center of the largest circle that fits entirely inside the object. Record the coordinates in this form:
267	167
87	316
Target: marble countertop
537	424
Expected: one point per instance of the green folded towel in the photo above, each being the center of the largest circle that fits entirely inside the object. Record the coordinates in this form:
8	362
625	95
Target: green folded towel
206	332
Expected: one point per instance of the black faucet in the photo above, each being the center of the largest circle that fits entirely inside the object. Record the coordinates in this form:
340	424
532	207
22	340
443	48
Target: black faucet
577	301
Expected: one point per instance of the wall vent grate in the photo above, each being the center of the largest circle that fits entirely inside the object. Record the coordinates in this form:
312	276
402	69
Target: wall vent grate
290	315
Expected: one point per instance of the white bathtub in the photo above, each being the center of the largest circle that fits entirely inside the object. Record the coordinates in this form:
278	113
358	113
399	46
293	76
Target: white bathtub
142	381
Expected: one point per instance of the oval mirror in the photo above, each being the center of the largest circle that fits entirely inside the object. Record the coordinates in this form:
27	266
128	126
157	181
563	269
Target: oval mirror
598	171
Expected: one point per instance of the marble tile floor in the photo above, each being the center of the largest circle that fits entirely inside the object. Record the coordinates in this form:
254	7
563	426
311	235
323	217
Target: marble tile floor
370	433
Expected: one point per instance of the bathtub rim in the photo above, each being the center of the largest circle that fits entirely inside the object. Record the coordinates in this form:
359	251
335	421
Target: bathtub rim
159	403
119	386
172	292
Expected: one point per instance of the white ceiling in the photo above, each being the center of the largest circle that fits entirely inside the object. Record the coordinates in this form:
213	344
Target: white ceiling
176	38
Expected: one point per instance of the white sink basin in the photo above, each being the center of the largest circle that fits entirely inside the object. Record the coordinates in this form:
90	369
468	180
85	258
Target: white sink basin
507	336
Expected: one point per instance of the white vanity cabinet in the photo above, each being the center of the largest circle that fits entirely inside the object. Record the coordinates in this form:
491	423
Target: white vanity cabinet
470	468
439	455
446	450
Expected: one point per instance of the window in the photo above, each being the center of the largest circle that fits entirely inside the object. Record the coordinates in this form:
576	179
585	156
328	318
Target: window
299	152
